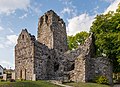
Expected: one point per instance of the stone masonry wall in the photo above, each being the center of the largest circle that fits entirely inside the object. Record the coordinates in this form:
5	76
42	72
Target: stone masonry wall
103	67
52	31
24	56
41	59
48	59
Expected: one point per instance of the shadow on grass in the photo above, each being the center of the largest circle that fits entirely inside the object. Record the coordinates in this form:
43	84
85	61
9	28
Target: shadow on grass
80	84
27	84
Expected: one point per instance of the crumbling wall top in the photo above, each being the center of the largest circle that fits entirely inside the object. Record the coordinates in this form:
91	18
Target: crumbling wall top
25	37
49	18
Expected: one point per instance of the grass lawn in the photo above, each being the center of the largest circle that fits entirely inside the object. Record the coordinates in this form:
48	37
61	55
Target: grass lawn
27	84
80	84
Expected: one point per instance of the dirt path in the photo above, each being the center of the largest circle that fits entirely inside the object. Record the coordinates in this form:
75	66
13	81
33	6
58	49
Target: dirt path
117	85
59	83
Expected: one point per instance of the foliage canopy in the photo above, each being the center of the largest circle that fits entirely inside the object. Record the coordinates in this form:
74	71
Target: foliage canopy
75	41
106	30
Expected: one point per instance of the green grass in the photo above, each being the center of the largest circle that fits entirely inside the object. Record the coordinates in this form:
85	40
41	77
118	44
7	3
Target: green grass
27	84
80	84
42	83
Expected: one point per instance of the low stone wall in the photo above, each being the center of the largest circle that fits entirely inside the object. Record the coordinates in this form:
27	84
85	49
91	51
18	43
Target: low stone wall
103	67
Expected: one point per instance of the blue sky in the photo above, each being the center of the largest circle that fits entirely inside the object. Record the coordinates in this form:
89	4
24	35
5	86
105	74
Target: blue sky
16	15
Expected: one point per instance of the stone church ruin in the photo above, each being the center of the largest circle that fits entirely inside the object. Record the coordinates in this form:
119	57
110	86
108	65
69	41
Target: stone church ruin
48	57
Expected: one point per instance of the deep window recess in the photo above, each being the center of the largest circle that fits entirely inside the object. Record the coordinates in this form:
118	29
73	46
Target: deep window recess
22	36
0	73
56	66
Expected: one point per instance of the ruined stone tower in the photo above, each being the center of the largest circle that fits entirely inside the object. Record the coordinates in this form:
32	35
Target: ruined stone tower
47	57
52	31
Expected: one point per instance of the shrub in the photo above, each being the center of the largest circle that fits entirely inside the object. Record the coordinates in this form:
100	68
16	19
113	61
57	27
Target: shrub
101	80
21	79
12	80
2	80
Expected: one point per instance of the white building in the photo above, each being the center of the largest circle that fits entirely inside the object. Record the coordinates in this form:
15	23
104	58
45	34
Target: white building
1	71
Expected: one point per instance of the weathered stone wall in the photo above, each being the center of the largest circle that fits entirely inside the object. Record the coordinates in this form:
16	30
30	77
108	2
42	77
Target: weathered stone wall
52	31
48	58
78	74
41	59
24	56
103	67
87	68
83	63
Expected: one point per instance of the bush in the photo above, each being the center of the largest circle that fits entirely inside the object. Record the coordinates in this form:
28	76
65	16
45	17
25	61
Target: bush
12	80
2	80
101	80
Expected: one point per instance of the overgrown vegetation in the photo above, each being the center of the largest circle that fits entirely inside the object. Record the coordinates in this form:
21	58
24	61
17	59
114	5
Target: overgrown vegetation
106	30
75	41
101	80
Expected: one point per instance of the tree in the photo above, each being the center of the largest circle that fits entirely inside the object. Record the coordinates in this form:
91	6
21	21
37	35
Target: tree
106	30
75	41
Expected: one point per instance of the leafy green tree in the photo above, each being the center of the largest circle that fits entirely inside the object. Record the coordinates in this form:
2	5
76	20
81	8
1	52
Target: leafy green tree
106	30
75	41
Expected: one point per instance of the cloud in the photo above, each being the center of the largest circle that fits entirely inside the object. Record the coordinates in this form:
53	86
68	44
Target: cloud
9	6
110	1
1	46
1	28
66	10
96	10
113	6
79	23
23	16
35	8
12	39
7	64
8	41
84	21
69	8
10	30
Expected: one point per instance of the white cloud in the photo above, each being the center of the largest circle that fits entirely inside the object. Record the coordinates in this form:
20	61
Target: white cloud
9	6
1	46
79	23
36	9
10	30
12	39
113	6
23	16
96	10
7	64
69	8
108	1
84	21
8	41
66	10
1	28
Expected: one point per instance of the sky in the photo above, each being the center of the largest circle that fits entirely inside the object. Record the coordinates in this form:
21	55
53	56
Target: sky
16	15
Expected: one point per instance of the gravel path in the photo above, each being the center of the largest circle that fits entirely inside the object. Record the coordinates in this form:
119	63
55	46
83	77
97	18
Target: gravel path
58	83
117	85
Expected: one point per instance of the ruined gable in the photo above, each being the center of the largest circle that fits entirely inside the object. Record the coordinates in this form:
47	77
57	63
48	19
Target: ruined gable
25	37
24	55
